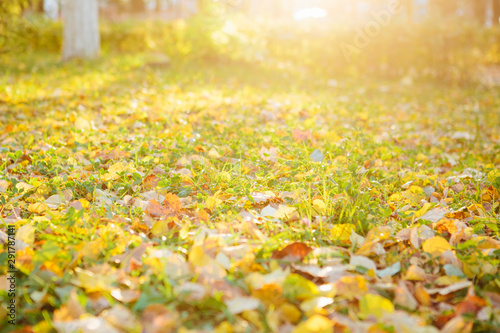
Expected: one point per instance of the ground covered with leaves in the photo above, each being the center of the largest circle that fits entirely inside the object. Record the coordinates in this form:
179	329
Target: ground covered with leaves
202	197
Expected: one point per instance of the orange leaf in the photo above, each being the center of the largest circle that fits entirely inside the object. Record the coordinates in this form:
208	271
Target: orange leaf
446	226
299	136
150	181
173	202
293	252
155	209
472	304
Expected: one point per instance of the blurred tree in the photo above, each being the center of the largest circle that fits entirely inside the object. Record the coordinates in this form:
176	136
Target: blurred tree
444	8
33	5
496	12
38	6
117	5
137	6
479	10
81	29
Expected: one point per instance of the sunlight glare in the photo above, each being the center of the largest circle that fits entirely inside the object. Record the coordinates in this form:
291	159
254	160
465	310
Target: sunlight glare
314	12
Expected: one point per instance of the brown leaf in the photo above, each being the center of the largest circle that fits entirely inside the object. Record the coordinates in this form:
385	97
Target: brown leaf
158	318
299	136
472	304
70	310
155	209
112	155
150	182
446	226
293	252
422	296
173	202
458	325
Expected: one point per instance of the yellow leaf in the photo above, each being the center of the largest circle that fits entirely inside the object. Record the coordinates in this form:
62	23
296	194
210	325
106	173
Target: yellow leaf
300	288
289	312
116	168
371	304
286	212
342	232
160	228
415	190
436	245
422	296
493	174
447	280
351	286
252	316
396	197
113	234
93	282
213	202
54	268
93	248
421	157
320	206
37	208
315	324
26	233
197	257
85	203
415	273
224	327
423	210
484	243
83	124
212	153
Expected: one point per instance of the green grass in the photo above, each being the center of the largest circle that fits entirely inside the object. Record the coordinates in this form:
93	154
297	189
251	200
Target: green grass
63	127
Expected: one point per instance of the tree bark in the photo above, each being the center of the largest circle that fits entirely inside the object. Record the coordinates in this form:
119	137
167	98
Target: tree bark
496	12
137	6
39	6
444	8
81	29
480	11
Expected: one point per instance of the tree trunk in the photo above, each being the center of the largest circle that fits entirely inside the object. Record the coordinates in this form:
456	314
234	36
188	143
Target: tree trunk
480	11
81	29
444	8
39	6
496	12
137	6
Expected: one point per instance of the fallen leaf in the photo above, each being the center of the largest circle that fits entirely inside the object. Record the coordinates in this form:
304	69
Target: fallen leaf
239	304
38	208
315	324
436	245
293	252
371	304
155	209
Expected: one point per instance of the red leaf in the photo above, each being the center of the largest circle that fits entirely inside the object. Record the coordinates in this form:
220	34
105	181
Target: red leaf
293	252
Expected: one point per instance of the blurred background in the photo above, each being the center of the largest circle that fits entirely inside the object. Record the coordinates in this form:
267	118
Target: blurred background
453	41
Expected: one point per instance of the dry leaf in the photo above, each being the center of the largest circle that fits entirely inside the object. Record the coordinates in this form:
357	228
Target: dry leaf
293	252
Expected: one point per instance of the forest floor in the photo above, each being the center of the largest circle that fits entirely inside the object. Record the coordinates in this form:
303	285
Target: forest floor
195	198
